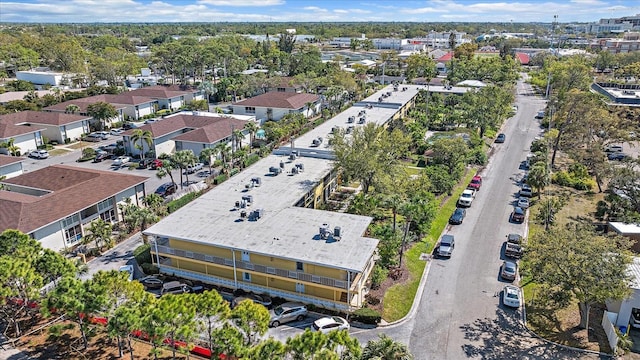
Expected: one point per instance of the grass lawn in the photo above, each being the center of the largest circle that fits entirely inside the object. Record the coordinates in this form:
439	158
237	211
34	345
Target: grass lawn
399	298
57	152
79	145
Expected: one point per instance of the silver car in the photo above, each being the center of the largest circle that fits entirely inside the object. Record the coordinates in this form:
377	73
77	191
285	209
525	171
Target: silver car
290	311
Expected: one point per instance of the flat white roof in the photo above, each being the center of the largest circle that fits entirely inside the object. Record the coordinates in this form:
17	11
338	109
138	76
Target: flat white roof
284	230
623	228
634	271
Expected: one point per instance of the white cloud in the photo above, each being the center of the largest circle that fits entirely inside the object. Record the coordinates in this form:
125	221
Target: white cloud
242	2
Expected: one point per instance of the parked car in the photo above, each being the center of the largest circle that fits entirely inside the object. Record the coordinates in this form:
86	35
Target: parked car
330	323
129	126
446	245
476	183
166	189
514	238
193	168
512	250
93	137
287	312
635	318
617	156
116	131
613	148
457	216
466	198
151	121
39	154
501	138
104	135
523	202
101	155
511	296
175	287
151	282
262	299
121	161
540	115
144	163
128	269
155	164
509	270
526	190
517	215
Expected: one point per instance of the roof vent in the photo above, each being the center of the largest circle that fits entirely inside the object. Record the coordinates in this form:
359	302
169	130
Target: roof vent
325	231
257	181
337	232
275	170
248	199
300	167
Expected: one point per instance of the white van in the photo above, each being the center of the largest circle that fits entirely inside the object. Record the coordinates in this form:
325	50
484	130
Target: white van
195	167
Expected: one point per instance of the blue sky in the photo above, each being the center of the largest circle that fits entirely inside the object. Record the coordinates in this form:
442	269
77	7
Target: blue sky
89	11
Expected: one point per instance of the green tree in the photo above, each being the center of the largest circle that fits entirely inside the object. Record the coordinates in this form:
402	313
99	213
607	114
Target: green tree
452	153
252	319
99	232
267	349
210	309
229	341
174	315
11	147
574	259
207	156
19	285
420	65
72	109
184	159
386	348
155	202
101	112
167	168
142	137
538	177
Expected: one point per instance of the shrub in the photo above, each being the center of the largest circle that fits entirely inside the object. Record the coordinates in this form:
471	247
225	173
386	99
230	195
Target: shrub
220	179
177	204
252	159
142	254
366	316
378	276
478	157
150	269
234	171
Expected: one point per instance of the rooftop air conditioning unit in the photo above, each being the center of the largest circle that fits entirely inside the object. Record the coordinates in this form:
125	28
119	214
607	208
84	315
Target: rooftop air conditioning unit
248	198
300	167
324	231
257	181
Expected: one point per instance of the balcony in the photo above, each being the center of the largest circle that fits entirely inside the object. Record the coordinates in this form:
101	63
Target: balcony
267	270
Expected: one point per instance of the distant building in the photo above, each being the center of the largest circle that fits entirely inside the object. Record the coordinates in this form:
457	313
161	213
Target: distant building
275	104
40	77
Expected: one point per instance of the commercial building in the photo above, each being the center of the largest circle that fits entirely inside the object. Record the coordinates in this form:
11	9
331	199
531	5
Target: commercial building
54	204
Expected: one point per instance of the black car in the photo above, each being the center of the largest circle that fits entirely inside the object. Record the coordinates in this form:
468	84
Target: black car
101	155
144	163
501	138
166	189
457	216
517	215
617	156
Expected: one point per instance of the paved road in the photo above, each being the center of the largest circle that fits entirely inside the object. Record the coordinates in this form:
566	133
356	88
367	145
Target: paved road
114	258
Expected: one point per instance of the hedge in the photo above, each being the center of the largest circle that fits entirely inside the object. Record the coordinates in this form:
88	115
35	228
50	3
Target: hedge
220	179
174	205
234	171
252	159
142	254
366	316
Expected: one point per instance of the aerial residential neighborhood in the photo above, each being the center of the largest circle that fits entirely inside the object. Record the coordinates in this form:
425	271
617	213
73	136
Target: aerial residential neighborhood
307	180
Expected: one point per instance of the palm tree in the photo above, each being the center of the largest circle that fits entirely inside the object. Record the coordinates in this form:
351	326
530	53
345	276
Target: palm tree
311	108
386	349
101	112
223	150
167	167
184	159
209	89
143	136
252	128
71	109
206	156
237	137
155	202
11	147
99	232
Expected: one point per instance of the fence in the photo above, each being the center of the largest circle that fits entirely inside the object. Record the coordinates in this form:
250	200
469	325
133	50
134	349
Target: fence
608	319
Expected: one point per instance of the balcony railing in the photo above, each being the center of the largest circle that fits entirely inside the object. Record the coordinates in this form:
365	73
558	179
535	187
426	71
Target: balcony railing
267	270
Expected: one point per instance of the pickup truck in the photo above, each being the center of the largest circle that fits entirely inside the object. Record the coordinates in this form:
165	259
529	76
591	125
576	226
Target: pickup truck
466	198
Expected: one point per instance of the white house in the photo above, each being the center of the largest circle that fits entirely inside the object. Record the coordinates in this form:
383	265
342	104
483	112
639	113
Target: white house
10	166
55	125
274	105
54	204
625	308
26	138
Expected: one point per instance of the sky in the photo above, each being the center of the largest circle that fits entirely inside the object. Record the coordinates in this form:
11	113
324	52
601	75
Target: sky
136	11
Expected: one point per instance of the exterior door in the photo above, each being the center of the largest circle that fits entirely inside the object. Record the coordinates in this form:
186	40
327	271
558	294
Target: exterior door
300	288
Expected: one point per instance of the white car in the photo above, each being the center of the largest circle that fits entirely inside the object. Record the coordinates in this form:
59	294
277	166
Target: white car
511	296
127	269
193	168
121	160
523	202
330	323
39	154
116	131
467	197
104	135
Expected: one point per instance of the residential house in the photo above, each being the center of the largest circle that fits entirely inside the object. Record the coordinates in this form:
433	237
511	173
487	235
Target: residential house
171	98
187	130
274	105
56	126
625	308
55	204
24	137
522	58
286	84
10	166
126	105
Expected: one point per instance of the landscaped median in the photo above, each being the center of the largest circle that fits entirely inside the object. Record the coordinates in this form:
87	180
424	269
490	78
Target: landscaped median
399	298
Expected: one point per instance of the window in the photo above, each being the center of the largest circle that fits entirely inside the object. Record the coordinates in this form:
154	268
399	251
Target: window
245	256
73	234
299	266
250	109
70	221
281	89
108	216
246	276
105	205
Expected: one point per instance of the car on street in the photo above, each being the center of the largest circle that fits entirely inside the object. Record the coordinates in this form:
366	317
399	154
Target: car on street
446	245
129	126
526	190
175	287
287	312
101	155
155	164
509	270
104	135
466	198
151	121
512	250
151	282
618	156
514	238
476	183
262	299
39	154
93	137
144	163
116	132
330	323
523	202
194	168
501	138
166	189
517	215
121	161
540	115
458	216
511	296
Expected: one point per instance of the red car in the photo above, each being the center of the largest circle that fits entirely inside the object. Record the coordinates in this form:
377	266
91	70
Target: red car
155	164
475	183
